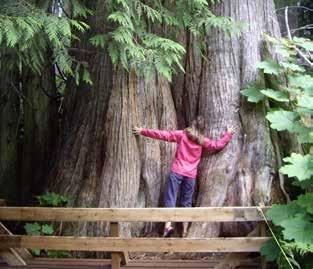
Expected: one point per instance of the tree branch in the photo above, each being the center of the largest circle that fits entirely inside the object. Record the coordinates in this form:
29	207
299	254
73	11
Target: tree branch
299	7
301	54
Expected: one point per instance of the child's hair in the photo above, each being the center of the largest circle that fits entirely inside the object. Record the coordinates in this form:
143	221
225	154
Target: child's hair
196	131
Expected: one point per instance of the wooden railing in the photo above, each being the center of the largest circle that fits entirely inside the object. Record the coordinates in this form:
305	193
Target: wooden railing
118	246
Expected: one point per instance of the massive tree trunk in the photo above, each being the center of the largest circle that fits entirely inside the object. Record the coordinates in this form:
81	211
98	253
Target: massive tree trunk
40	124
245	173
28	132
9	130
28	125
99	161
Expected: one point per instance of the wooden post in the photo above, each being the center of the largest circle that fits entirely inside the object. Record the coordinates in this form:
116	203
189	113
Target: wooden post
263	233
13	257
262	227
115	256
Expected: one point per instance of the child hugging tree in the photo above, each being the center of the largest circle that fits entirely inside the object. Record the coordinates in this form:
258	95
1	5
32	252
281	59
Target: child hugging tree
190	143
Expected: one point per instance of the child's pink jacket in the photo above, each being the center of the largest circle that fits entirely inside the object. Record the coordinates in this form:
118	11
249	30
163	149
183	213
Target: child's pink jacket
188	152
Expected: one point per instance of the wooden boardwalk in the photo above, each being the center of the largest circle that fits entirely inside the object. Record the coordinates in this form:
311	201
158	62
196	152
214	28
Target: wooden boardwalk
13	248
47	263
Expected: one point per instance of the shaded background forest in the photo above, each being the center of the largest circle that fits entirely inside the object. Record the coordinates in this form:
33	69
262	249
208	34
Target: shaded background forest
75	138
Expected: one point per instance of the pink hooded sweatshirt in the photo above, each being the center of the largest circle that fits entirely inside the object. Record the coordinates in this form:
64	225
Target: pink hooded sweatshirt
188	152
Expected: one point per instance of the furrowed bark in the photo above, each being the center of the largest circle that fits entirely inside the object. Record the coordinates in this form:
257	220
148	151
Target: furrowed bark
243	173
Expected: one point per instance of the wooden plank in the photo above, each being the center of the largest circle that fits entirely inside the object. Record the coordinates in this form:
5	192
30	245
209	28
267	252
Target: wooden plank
195	214
236	244
11	256
125	258
173	263
263	233
96	262
70	261
115	232
115	256
184	263
24	253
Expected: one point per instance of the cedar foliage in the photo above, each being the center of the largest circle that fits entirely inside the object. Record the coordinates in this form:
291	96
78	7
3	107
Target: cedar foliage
145	33
28	32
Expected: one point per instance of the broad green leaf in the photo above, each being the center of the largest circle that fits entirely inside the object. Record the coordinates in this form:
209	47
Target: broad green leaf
36	251
303	132
282	120
279	213
305	43
32	228
299	229
300	166
293	90
270	250
276	95
305	101
303	110
272	39
306	201
292	67
58	254
52	199
253	93
47	229
285	52
304	82
269	67
305	136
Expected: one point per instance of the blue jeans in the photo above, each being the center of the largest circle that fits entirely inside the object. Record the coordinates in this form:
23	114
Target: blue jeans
187	187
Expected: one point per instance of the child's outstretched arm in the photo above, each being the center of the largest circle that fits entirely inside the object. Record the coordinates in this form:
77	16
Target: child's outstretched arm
215	145
170	136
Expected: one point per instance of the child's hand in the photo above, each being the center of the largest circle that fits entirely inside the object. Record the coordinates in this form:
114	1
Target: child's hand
231	129
137	130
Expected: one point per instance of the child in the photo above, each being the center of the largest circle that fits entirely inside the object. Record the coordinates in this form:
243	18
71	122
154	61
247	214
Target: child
190	142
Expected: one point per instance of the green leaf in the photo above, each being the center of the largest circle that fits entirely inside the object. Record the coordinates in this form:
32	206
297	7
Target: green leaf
86	76
282	120
47	229
276	95
305	43
32	228
285	52
79	10
58	254
304	82
304	133
270	250
299	166
306	201
299	229
253	93
36	251
52	199
279	213
298	247
269	67
305	101
292	67
99	40
306	136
